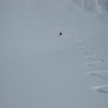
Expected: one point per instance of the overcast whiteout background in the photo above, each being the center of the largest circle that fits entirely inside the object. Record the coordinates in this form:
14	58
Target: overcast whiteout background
39	68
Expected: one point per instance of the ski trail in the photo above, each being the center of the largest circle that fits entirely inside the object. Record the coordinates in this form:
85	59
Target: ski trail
94	57
90	55
100	89
99	76
83	47
97	62
102	71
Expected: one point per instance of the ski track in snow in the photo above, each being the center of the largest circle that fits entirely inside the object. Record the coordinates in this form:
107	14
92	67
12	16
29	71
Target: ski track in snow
97	57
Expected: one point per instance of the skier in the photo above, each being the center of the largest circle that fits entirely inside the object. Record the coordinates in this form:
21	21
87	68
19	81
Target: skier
60	34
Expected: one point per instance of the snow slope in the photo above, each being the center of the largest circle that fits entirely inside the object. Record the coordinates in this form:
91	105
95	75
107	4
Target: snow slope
95	6
41	69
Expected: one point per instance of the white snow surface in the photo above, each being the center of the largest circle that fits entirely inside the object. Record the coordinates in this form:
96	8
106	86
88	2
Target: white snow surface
39	68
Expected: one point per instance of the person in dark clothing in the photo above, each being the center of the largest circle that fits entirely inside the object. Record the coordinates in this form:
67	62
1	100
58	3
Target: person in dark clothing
60	34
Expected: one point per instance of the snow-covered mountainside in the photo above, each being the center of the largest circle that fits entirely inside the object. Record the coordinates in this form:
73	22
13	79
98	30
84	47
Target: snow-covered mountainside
97	6
41	68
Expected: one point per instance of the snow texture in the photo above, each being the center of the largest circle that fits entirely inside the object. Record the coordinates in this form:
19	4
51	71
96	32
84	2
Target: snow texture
39	68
